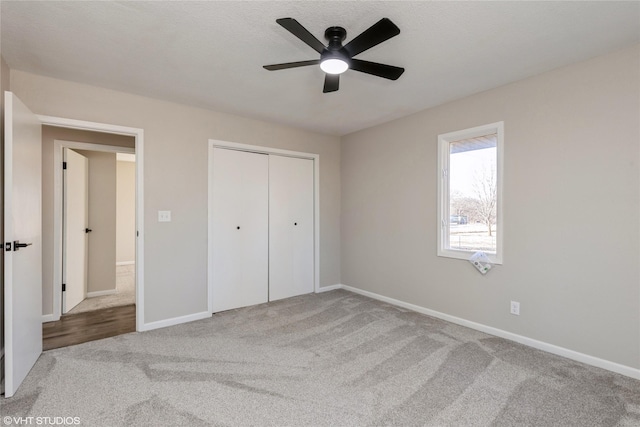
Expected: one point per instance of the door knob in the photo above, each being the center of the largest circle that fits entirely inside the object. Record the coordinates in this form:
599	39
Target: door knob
88	230
17	245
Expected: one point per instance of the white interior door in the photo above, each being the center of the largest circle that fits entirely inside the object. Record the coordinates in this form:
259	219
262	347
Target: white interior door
240	229
76	224
22	226
291	269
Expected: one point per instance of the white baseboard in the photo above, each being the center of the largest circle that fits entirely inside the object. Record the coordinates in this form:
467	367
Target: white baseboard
125	263
174	321
540	345
49	318
101	293
330	288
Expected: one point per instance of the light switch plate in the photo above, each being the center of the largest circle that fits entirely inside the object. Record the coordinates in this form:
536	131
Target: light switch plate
164	216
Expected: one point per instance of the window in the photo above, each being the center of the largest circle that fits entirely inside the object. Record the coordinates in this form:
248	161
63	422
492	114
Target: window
470	192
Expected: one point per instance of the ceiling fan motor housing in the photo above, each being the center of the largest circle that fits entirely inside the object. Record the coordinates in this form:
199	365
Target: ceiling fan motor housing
335	36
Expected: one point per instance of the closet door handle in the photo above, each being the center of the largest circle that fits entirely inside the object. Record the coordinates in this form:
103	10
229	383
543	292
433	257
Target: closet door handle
88	230
295	223
238	227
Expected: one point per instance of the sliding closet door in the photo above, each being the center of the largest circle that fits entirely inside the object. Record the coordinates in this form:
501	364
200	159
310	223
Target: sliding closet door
290	227
240	227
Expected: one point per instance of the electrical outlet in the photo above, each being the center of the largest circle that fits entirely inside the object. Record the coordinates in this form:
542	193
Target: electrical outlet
515	308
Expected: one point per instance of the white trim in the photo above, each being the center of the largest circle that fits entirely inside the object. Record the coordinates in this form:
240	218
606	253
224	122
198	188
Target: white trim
210	229
88	146
8	237
140	231
101	293
48	318
175	321
316	222
125	263
443	190
540	345
138	135
261	149
126	157
213	143
91	126
330	288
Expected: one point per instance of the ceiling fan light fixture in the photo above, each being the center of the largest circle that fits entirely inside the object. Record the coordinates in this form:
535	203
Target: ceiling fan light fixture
334	66
335	58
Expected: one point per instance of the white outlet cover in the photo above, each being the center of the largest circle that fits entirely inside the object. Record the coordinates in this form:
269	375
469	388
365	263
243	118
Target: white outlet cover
164	216
515	308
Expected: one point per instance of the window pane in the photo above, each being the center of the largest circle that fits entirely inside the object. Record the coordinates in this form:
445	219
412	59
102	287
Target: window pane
473	194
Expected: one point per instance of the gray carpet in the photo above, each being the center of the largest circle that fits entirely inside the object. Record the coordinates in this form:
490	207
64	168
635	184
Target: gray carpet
330	359
125	292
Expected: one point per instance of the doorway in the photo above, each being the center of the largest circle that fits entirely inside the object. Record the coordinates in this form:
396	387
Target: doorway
86	211
98	227
52	234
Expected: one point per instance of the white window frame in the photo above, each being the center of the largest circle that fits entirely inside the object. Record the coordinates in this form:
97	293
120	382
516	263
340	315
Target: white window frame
444	141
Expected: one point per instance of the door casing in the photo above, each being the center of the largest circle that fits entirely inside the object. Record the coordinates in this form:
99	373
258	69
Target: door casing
138	135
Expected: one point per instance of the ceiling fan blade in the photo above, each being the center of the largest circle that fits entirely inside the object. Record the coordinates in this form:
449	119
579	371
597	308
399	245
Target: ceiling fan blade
286	65
331	83
382	30
381	70
302	33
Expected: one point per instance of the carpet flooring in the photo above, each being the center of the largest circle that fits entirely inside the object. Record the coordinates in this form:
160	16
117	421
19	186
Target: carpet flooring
335	358
125	292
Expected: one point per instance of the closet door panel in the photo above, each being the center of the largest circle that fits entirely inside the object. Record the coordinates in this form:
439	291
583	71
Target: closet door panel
291	216
240	229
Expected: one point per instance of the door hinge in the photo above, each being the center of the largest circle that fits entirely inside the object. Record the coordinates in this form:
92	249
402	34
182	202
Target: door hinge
64	287
64	165
444	173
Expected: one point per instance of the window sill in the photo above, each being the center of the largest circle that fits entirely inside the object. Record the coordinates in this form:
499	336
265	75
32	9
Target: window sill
465	255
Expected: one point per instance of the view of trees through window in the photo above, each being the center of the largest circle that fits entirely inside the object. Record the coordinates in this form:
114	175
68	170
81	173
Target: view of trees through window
473	194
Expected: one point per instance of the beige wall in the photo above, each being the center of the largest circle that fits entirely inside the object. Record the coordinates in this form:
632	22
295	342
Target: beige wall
49	135
125	211
571	208
175	178
101	265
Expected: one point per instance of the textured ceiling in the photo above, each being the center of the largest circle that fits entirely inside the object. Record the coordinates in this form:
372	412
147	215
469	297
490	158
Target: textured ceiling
210	54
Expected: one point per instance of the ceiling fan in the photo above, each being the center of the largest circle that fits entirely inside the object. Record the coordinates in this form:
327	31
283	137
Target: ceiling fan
335	59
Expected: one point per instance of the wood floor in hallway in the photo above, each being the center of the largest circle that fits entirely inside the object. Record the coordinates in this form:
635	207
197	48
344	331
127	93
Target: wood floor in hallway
92	325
